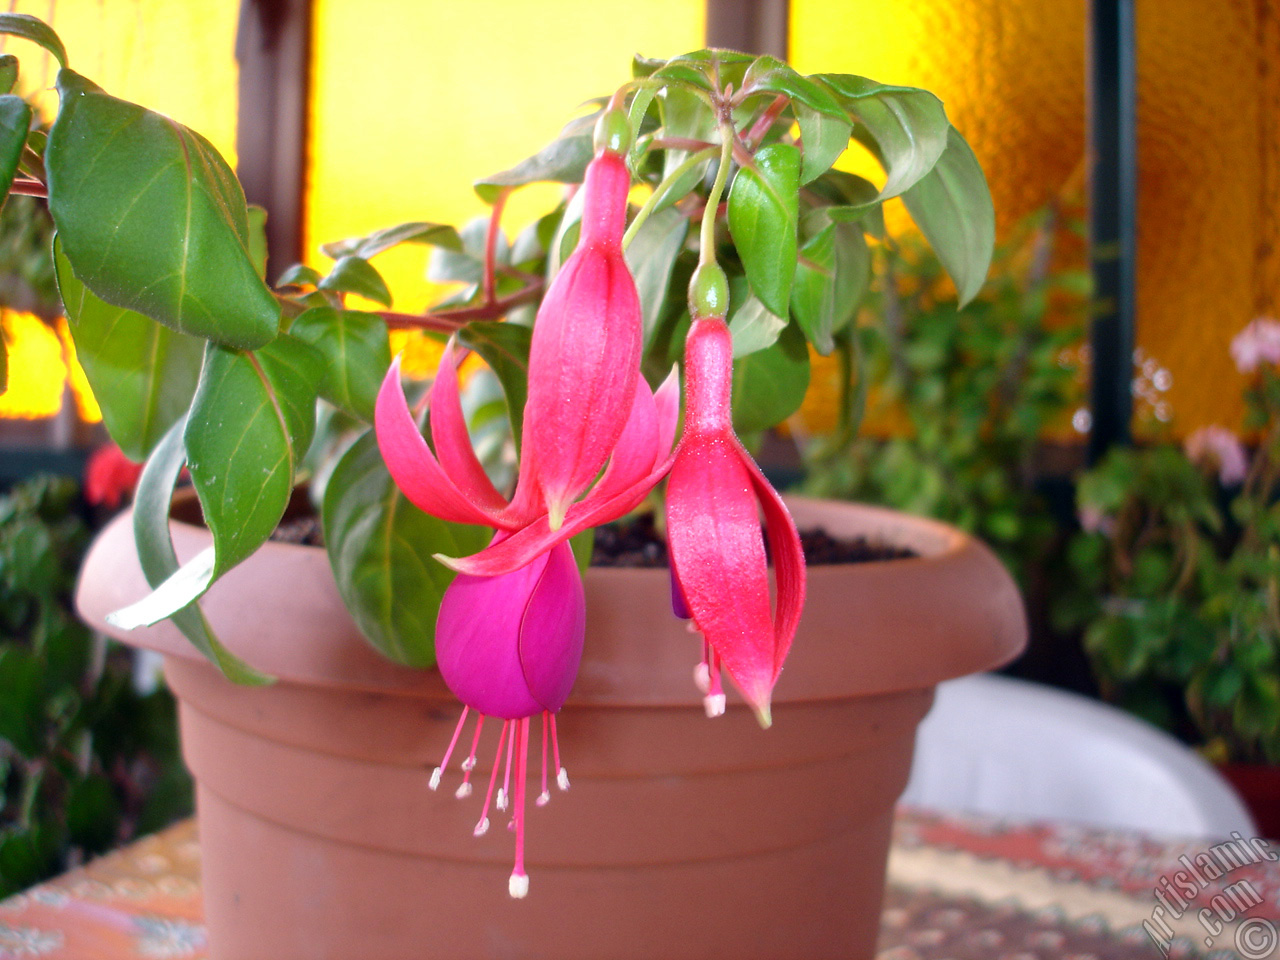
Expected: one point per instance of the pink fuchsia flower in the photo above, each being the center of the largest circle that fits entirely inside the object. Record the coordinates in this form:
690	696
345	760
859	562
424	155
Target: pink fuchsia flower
1216	446
584	358
1256	344
509	647
715	494
110	476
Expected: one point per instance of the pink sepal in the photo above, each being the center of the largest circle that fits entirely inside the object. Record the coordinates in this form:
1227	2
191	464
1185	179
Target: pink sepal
449	434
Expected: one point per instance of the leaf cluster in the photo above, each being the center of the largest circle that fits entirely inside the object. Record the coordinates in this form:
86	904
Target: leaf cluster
85	761
196	360
1179	588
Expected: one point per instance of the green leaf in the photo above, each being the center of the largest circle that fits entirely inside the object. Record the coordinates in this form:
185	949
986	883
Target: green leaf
142	374
651	257
159	562
770	385
153	220
854	200
768	74
300	275
380	548
356	355
754	328
21	712
564	160
92	814
831	279
30	28
684	115
15	121
763	213
8	72
505	348
356	275
432	234
258	239
905	127
825	139
952	206
251	422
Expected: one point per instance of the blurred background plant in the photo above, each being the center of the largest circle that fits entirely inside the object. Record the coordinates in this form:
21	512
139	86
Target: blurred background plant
86	760
1177	573
957	403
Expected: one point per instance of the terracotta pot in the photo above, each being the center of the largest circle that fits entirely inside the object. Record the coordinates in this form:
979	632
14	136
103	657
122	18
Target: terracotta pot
681	837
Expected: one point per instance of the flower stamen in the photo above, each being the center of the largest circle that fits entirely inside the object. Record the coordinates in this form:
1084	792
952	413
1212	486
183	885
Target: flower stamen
469	764
545	796
438	772
482	825
562	775
518	885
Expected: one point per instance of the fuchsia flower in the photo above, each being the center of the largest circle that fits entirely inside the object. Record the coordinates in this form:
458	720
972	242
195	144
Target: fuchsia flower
714	496
1257	343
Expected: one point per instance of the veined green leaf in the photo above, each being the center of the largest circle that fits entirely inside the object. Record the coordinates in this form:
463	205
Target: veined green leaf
250	424
36	30
380	548
906	128
564	160
770	75
142	373
686	116
432	234
158	560
153	220
770	385
831	279
824	137
356	355
754	328
651	257
505	348
300	275
763	213
952	206
356	275
15	121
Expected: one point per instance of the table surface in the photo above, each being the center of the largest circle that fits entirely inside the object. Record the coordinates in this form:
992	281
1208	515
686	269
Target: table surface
960	887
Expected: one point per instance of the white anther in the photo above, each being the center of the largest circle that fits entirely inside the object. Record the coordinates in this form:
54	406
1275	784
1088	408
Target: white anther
434	782
518	886
714	705
482	827
463	791
469	763
562	779
544	798
501	800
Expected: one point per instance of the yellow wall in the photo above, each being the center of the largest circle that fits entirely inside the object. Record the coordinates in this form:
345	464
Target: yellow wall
1012	76
448	92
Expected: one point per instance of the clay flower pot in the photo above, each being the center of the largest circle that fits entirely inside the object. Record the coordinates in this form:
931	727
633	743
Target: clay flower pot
681	837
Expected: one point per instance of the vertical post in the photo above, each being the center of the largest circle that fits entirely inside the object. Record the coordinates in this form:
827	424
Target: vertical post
1113	202
752	26
273	48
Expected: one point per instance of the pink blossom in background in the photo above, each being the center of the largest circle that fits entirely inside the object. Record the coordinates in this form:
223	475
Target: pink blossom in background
1218	446
1094	520
109	477
1256	344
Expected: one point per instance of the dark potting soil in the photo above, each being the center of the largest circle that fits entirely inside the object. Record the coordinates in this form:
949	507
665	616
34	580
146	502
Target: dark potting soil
637	543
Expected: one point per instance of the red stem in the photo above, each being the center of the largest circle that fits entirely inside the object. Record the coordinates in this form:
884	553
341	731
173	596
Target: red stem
29	188
447	321
491	245
766	119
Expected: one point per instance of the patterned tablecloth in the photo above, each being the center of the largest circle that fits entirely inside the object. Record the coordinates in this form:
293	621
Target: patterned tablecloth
963	888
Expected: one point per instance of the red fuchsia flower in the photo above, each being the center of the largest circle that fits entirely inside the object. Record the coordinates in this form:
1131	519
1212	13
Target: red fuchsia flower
585	355
1256	344
715	494
110	476
1216	446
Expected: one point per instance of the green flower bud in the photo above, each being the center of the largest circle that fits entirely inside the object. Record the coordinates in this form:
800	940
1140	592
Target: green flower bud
708	292
613	132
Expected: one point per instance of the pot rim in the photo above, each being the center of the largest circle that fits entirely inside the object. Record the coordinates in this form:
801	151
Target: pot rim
951	610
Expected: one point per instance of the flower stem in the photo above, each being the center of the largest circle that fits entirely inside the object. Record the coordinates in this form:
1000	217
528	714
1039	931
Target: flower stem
661	190
491	246
707	254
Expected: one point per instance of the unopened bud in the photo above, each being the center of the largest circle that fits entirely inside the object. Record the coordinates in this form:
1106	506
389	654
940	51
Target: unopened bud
708	292
613	132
